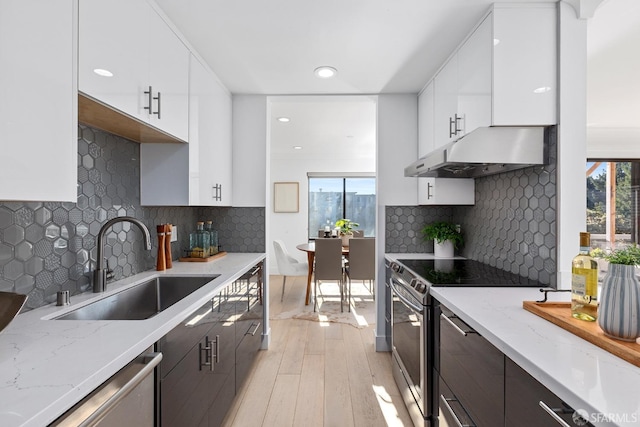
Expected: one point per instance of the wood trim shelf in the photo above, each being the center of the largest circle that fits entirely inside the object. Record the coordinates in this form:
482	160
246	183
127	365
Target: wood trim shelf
101	116
560	315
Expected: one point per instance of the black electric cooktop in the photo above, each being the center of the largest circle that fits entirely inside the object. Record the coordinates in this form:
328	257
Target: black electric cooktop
464	273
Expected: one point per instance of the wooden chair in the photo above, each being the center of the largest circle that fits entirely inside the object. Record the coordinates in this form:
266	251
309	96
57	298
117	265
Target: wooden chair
288	265
328	266
362	263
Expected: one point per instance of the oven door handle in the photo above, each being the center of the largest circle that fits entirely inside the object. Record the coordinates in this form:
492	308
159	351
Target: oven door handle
404	299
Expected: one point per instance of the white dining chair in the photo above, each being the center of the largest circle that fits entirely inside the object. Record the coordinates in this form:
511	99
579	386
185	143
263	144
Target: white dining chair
288	265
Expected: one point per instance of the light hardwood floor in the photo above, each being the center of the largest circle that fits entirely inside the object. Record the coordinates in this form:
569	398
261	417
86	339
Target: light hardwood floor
317	374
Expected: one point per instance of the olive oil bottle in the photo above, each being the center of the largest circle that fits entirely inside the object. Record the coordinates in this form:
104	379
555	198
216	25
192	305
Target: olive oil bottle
584	282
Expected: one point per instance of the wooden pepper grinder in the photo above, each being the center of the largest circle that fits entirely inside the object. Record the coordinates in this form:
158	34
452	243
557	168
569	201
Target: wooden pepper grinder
167	245
160	262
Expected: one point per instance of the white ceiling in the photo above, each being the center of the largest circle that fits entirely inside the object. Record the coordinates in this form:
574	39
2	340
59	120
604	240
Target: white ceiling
273	46
378	46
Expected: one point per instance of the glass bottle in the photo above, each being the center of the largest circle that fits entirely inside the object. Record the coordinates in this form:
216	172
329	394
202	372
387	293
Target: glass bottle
213	238
199	242
584	282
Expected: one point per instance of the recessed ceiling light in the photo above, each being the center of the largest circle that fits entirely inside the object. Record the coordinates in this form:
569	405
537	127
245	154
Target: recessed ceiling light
496	42
103	72
325	72
297	147
542	89
284	119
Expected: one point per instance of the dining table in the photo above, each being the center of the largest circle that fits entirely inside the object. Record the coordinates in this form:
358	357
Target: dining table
310	249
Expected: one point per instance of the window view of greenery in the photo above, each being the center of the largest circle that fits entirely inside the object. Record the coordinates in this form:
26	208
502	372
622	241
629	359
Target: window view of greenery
612	215
333	198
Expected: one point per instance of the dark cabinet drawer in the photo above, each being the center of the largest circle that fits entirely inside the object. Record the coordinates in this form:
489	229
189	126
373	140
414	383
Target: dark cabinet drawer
191	387
472	368
177	343
526	398
451	412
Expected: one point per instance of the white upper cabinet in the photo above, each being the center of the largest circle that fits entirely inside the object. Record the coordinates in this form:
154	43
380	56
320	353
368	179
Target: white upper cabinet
474	80
148	63
446	103
504	74
38	105
210	128
198	173
426	120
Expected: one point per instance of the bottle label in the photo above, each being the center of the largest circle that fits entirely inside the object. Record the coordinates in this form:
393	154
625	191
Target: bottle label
584	282
578	284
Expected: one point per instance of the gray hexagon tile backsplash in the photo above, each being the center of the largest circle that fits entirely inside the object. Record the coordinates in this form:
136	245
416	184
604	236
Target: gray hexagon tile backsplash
46	246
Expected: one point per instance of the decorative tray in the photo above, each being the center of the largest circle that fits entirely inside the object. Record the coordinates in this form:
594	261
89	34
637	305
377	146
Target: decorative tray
207	259
559	313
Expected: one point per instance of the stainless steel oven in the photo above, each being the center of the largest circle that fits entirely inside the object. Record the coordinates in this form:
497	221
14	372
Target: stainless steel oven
412	345
413	323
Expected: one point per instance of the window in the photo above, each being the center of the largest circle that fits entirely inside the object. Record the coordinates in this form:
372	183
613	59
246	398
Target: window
332	198
612	202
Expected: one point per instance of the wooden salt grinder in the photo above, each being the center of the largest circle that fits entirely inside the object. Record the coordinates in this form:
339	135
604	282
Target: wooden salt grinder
167	245
160	262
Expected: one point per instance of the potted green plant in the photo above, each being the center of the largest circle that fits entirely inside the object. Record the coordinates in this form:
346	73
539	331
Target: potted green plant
446	237
346	226
619	309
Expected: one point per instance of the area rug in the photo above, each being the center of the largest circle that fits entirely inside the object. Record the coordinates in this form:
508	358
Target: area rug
362	314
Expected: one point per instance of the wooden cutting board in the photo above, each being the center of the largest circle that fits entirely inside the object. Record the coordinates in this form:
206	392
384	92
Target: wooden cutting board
559	313
207	259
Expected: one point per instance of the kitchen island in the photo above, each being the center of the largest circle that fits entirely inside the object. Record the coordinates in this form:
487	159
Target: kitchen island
46	365
585	376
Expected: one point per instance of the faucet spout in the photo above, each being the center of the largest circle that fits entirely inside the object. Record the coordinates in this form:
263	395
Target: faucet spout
100	273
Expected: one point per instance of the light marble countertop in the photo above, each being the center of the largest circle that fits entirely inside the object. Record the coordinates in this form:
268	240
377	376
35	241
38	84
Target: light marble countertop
580	373
46	366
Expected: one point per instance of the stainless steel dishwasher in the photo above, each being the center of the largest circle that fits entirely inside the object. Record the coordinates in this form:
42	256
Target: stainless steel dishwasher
125	399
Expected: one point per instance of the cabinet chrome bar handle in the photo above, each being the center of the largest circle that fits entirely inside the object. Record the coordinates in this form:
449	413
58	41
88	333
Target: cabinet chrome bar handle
207	354
553	414
149	94
456	327
451	127
456	120
445	402
159	99
257	325
429	187
217	355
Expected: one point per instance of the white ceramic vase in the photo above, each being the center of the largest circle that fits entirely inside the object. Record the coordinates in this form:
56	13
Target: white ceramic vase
443	250
345	239
619	309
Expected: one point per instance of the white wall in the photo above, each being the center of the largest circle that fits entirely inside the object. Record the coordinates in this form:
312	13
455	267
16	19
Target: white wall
397	147
249	150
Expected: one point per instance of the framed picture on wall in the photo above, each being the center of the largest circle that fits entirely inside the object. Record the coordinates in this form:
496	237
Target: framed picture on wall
285	197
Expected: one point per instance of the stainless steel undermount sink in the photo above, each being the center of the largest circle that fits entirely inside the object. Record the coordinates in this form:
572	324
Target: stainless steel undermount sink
141	301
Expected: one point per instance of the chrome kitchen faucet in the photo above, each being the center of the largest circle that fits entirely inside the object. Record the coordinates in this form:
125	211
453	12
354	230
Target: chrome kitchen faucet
100	273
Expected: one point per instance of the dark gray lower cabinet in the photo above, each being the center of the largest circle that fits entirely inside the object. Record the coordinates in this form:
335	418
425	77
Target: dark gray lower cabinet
208	355
472	370
530	404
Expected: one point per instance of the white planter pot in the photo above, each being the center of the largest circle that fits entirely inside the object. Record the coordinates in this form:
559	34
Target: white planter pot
345	239
443	250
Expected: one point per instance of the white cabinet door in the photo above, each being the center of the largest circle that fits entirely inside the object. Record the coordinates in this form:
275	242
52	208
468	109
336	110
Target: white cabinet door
198	173
474	79
38	102
148	62
446	103
210	139
447	191
169	78
524	76
114	36
426	120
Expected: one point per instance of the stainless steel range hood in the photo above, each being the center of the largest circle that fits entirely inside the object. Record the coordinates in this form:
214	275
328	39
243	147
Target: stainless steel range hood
486	151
